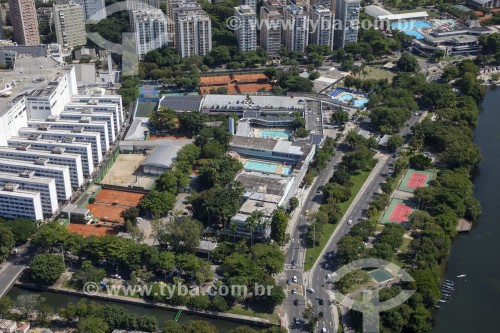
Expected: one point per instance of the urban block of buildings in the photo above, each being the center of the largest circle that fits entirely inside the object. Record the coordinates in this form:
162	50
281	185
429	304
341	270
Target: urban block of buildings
52	137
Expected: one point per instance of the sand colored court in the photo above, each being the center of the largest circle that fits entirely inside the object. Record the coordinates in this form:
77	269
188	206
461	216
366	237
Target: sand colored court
127	171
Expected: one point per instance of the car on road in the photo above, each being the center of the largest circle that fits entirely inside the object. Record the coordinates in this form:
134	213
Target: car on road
330	255
293	262
296	320
310	290
349	222
320	301
323	330
294	291
295	302
320	314
407	125
289	282
307	212
326	265
294	279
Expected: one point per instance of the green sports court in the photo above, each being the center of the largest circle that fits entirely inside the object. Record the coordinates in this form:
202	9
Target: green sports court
398	212
380	275
414	179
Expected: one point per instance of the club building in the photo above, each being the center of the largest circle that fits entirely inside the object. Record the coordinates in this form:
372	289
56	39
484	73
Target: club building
52	136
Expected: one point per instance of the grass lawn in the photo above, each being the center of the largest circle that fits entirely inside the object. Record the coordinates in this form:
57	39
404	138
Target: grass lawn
239	310
378	74
328	229
405	245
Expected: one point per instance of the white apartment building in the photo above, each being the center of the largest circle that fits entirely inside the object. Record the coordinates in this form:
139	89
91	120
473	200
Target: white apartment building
321	30
246	32
108	118
193	32
67	137
296	33
250	3
28	182
271	31
143	4
94	9
98	108
42	169
55	157
347	14
150	30
16	203
98	100
84	149
82	126
69	22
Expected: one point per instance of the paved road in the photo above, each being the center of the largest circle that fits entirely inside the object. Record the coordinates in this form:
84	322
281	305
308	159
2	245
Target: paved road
296	251
9	275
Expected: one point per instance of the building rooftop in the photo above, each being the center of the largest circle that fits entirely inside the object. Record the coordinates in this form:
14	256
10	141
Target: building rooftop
137	129
30	76
182	103
279	146
252	205
376	11
162	156
271	184
23	177
241	102
42	164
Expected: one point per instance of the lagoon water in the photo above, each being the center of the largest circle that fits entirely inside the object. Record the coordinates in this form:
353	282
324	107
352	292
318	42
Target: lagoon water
475	306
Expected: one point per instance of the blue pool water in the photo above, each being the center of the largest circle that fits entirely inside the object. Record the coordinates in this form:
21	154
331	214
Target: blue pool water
409	28
286	171
261	166
274	133
345	97
360	103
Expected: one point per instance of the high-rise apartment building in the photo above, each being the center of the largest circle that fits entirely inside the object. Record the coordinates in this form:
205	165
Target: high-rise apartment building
70	25
321	27
251	3
150	30
193	32
94	9
246	29
296	29
24	22
347	15
143	4
270	31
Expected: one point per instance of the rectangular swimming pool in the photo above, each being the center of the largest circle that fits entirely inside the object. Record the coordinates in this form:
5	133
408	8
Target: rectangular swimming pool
261	166
274	133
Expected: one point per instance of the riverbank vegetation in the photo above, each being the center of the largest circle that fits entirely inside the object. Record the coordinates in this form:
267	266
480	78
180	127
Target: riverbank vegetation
447	136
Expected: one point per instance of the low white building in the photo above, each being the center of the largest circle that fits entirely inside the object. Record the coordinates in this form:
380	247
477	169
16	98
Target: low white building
161	159
42	169
28	182
16	203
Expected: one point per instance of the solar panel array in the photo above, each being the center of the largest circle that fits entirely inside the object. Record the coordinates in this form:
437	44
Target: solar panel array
182	103
258	115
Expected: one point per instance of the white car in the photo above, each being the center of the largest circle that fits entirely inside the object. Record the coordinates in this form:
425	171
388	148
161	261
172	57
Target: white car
349	222
294	279
310	290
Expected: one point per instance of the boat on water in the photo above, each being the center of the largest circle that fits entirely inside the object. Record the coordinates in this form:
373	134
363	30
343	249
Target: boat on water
450	281
437	306
461	276
442	301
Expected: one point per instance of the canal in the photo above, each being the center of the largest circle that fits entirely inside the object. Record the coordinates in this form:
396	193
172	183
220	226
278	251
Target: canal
57	301
475	305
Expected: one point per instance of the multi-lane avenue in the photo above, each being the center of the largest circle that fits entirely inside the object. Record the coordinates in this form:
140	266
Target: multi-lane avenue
320	298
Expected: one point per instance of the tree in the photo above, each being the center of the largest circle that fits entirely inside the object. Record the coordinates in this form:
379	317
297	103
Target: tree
50	235
279	223
311	317
172	181
198	326
350	248
218	303
396	141
293	203
216	205
340	117
130	214
92	324
407	63
301	132
5	305
88	273
21	228
156	203
27	304
163	120
183	235
269	258
6	241
254	221
46	268
420	162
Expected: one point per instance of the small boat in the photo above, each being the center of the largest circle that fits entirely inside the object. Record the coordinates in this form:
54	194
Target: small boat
442	301
461	276
449	288
437	306
448	285
449	281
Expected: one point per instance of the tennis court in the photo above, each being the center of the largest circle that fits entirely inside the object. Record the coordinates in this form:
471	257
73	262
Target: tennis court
122	198
91	230
145	109
251	78
215	80
107	212
414	179
254	87
149	91
398	212
380	275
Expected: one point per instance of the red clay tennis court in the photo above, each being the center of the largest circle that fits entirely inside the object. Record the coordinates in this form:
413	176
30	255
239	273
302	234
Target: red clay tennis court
417	180
107	212
91	230
121	198
253	87
251	78
215	80
400	213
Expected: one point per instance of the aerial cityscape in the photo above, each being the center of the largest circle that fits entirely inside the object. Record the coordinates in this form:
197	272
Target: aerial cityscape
246	166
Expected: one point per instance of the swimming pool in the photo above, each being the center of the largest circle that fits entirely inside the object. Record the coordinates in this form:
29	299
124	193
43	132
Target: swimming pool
360	103
261	166
268	167
409	28
345	97
274	134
